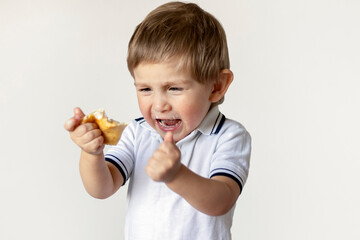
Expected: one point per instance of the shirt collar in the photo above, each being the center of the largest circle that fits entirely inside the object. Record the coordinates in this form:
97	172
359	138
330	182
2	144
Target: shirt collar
212	122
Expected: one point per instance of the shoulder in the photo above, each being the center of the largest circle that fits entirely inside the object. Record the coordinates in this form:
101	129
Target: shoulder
234	127
232	152
231	129
233	141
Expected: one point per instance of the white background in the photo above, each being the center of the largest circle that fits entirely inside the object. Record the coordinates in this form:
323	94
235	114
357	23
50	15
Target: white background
296	89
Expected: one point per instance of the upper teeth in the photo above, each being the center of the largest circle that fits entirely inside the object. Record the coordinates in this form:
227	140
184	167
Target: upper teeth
168	122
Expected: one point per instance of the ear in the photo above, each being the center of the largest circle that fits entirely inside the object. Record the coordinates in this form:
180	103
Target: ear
220	87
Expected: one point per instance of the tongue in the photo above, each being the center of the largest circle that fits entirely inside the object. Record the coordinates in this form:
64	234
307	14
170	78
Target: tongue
170	122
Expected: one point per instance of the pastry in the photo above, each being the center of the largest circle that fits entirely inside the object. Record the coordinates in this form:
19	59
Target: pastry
111	129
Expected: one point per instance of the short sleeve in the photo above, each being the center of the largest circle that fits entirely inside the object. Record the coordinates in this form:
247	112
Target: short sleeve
122	155
232	154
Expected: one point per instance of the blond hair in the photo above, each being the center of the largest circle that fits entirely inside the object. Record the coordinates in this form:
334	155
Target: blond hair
181	31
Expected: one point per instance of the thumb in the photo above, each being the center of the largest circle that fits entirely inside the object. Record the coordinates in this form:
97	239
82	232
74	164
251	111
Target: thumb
78	113
169	137
73	122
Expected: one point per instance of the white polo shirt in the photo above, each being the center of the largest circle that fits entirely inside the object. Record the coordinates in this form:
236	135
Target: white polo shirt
219	146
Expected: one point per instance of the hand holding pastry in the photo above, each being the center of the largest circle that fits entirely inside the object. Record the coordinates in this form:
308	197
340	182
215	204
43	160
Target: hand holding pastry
91	132
86	135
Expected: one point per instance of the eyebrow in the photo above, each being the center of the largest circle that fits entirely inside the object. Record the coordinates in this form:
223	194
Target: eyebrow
166	83
177	81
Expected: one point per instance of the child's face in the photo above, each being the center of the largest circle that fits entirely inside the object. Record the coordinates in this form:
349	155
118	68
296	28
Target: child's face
170	99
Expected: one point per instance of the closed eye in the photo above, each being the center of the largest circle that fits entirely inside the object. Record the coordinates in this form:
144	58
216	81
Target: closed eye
175	89
144	90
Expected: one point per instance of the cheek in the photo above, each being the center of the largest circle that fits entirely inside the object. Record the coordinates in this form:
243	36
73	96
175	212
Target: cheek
194	113
197	108
143	106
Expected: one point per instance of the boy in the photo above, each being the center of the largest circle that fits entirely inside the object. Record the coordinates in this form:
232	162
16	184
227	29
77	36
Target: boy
186	162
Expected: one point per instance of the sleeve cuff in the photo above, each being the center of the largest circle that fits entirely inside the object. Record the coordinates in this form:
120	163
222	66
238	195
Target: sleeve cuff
118	167
230	176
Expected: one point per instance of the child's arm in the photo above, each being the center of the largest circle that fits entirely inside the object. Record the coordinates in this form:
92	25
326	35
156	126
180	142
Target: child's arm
215	196
100	179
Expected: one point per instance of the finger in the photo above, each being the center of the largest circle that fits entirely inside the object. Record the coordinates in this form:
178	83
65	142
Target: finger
95	134
73	122
78	114
94	146
84	128
150	171
157	156
168	145
169	137
155	169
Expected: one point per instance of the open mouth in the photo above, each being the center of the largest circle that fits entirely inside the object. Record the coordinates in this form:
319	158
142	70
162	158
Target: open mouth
168	124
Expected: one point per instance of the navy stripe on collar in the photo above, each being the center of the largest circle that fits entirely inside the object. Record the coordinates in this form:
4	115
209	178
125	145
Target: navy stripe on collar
220	125
212	123
212	130
140	120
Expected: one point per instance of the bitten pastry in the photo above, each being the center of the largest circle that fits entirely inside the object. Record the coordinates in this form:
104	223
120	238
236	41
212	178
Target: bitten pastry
111	129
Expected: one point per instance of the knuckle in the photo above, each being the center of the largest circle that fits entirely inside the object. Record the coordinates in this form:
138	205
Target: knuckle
157	154
75	138
80	130
98	141
95	145
98	132
93	134
89	126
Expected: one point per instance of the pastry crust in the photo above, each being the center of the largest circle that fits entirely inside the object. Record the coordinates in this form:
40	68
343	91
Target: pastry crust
110	128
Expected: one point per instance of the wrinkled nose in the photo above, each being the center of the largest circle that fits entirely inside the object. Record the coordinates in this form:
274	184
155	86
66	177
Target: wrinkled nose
161	103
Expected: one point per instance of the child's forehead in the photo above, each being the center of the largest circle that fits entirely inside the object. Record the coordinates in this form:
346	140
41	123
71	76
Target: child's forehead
170	69
176	62
160	74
